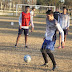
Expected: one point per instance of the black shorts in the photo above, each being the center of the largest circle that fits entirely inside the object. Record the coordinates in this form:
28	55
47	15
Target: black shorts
26	31
65	32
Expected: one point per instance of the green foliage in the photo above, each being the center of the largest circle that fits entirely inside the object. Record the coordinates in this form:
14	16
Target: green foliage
68	2
53	2
47	2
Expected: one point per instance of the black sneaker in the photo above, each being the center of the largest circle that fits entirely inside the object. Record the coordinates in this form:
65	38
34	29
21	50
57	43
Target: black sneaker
45	64
15	46
26	46
54	67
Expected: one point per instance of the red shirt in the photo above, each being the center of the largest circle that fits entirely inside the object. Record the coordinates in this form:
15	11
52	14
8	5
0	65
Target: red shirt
25	19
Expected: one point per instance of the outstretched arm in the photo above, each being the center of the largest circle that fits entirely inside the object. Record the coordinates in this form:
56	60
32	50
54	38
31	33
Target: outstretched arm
68	22
62	33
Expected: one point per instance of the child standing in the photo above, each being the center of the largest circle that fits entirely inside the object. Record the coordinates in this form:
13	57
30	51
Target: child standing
49	42
24	20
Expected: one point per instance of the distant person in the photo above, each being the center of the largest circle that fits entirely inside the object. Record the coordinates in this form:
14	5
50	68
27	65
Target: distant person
56	14
32	15
24	21
64	21
49	42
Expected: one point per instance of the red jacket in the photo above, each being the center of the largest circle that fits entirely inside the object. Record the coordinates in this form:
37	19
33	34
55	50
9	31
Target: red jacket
25	19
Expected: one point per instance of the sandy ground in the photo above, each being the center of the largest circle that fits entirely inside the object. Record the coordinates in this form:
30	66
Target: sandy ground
12	59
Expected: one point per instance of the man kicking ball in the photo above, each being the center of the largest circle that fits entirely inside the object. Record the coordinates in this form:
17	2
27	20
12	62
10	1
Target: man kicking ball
24	20
49	42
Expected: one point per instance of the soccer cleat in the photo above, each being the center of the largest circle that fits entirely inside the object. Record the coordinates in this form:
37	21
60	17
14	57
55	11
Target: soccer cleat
15	46
54	67
45	64
59	47
26	46
62	46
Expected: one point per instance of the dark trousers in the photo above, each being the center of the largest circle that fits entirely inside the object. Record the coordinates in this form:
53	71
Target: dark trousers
48	52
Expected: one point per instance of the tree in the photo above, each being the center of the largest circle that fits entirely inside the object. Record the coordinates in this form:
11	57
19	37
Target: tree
68	3
54	2
48	2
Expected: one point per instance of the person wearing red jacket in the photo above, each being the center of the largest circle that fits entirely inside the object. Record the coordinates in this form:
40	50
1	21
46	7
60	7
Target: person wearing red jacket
24	21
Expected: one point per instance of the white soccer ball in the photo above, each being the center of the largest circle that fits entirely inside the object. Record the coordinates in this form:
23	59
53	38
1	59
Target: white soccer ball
12	23
27	58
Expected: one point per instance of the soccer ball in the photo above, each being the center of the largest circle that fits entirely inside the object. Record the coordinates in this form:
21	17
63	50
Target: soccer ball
12	23
27	58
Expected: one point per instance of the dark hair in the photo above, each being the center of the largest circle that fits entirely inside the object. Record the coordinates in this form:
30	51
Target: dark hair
64	8
27	6
33	8
49	12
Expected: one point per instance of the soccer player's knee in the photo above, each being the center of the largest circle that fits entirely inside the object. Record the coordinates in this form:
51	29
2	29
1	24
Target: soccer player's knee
48	50
42	50
19	35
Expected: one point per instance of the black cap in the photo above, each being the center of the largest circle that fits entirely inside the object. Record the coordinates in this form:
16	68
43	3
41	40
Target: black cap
27	6
49	12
